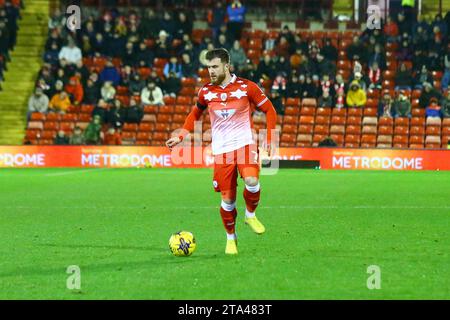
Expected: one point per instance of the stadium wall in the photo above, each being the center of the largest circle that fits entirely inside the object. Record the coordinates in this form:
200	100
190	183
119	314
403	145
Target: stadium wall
160	157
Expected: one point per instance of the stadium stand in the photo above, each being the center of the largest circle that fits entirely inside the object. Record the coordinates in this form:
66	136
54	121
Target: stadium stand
131	50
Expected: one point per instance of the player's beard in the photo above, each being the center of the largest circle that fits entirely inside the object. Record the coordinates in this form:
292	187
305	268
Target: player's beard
219	78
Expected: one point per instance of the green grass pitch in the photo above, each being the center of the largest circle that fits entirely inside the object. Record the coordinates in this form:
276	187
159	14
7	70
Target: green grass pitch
324	228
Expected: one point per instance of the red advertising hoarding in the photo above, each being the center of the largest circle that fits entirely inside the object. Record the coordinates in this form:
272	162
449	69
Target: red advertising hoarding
120	157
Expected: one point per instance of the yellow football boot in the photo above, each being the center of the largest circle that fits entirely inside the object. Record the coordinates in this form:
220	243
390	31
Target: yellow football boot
255	224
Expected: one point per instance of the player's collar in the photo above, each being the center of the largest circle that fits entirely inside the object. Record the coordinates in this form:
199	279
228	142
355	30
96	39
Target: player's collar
233	80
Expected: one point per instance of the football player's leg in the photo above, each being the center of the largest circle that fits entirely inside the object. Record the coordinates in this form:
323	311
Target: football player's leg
225	176
250	173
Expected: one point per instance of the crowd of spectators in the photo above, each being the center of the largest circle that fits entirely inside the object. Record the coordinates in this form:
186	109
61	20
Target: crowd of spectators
9	14
296	67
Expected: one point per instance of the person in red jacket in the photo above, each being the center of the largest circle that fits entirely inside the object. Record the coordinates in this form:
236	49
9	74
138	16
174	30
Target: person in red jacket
112	138
75	90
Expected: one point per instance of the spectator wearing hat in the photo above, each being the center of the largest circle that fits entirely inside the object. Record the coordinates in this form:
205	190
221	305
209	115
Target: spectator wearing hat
163	45
356	96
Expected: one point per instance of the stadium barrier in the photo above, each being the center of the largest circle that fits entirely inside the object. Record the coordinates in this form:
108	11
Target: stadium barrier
159	157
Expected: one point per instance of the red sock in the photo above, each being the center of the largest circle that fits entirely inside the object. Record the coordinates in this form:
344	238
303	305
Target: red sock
251	200
229	220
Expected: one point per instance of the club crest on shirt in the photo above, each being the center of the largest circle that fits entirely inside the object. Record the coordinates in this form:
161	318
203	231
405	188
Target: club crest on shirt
225	113
223	96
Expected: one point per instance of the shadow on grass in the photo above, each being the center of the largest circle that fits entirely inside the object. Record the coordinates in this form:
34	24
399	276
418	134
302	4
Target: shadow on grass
160	257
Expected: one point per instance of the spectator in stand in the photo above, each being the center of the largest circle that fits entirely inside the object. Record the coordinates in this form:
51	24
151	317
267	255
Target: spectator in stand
420	39
249	72
378	56
173	66
329	51
325	67
143	56
440	23
446	77
434	109
445	105
434	61
356	97
309	89
296	59
287	34
129	55
356	51
222	42
282	66
71	53
361	79
168	24
339	101
61	139
282	47
325	100
101	110
116	115
108	92
189	68
404	52
77	137
183	25
154	77
403	78
50	56
38	102
93	134
91	92
238	56
236	19
149	25
81	72
266	68
385	106
419	59
136	85
126	74
404	26
216	18
293	88
112	138
390	29
75	90
172	85
60	102
422	77
163	45
98	45
152	95
110	74
428	92
135	112
339	83
374	76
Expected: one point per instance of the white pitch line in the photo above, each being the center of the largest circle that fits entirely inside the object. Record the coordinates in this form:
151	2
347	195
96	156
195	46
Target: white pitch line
65	173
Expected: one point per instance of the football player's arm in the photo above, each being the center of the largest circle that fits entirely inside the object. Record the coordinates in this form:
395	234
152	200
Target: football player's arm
262	103
189	123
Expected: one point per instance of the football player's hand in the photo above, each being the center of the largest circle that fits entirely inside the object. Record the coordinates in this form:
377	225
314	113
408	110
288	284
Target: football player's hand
172	142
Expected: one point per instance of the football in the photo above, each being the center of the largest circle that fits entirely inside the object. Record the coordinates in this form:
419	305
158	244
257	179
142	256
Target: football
182	244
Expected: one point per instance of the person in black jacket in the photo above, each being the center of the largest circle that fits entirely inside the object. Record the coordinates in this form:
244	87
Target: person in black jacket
329	51
116	115
294	88
91	92
428	93
135	113
403	78
172	85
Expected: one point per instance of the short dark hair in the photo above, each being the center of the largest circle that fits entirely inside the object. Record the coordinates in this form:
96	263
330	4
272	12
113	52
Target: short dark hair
221	53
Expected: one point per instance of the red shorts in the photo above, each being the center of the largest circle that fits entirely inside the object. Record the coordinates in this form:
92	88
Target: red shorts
226	166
